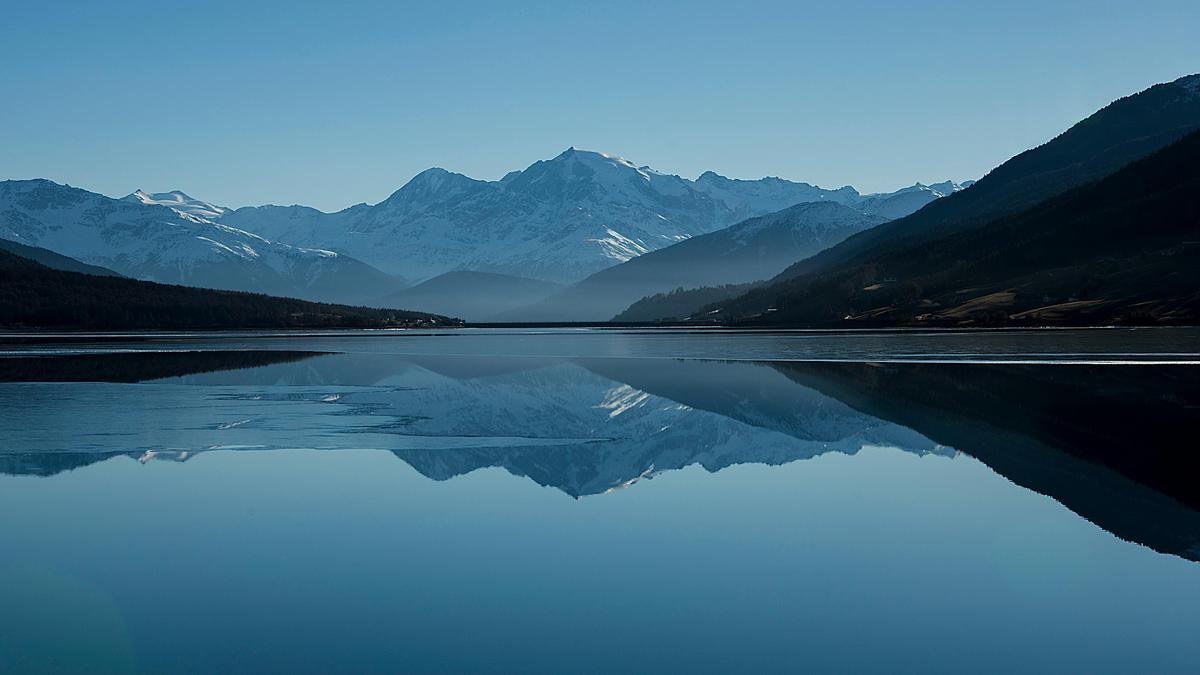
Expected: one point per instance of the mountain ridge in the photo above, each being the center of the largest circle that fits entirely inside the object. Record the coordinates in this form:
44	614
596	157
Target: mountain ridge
559	219
55	261
156	242
754	249
1123	249
1122	131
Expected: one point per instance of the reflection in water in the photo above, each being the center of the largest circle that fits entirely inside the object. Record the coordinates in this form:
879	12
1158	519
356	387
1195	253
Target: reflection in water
138	366
572	425
1108	442
910	537
1112	443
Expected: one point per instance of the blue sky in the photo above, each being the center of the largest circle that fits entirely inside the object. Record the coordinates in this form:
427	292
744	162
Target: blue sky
331	104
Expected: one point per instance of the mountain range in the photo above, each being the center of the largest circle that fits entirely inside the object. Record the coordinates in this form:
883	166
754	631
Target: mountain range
153	242
586	236
756	248
1100	224
558	220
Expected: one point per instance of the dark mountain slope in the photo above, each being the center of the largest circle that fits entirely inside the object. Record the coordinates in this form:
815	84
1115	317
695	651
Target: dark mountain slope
681	303
1122	132
1124	249
35	296
751	250
53	260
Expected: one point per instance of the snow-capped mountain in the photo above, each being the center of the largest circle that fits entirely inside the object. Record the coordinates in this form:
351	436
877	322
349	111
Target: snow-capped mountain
749	198
558	220
752	250
892	205
168	244
180	202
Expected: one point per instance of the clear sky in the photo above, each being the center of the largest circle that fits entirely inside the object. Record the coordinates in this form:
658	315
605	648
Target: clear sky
331	104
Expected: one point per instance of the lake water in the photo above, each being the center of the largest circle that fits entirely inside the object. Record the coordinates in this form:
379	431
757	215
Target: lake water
588	500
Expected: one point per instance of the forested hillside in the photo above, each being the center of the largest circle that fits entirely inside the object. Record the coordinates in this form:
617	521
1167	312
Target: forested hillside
35	296
1125	249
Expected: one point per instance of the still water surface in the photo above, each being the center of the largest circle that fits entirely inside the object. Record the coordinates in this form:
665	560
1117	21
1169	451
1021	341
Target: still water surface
601	500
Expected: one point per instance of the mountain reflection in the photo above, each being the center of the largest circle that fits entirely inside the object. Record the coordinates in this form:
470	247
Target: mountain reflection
712	414
138	366
1110	443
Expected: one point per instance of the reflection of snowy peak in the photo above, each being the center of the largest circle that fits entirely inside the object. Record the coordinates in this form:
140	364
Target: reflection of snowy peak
559	219
166	238
624	434
573	425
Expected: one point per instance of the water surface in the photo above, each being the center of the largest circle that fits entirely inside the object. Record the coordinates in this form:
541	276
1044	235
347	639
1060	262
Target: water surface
600	500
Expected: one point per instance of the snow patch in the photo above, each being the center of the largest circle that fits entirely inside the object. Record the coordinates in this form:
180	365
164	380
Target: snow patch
619	247
622	399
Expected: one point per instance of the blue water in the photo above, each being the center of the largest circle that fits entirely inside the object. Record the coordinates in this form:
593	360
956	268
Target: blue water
594	501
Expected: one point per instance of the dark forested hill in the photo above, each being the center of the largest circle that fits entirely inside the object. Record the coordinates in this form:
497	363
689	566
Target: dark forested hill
33	295
1125	249
1122	132
53	260
680	303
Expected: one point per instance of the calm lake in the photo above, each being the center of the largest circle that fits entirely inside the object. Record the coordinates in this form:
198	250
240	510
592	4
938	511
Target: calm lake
595	500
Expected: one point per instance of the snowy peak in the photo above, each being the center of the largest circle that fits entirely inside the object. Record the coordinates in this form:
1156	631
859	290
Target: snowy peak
595	185
180	202
158	237
579	166
433	185
942	189
713	178
808	218
435	179
560	219
38	193
947	187
749	198
597	160
907	200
